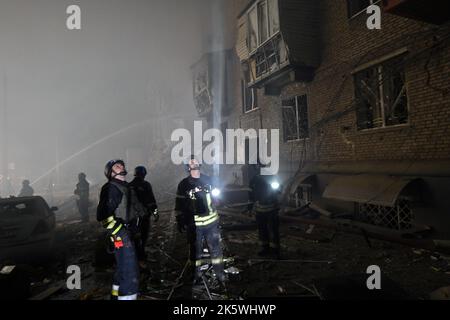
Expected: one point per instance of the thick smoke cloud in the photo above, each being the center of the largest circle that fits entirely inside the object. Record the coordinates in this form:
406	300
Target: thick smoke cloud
64	90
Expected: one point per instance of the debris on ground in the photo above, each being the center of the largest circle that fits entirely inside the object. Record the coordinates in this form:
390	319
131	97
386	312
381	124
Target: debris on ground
306	252
441	294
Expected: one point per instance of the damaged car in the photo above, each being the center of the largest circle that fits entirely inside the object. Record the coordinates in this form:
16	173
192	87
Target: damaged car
27	229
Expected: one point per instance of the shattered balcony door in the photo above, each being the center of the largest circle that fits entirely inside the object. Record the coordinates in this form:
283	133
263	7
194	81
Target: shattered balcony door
202	92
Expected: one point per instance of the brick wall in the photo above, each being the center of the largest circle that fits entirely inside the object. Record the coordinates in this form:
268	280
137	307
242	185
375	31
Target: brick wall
346	44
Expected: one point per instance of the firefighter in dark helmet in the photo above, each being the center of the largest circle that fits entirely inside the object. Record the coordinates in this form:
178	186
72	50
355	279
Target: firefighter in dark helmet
145	195
82	191
196	214
265	197
117	218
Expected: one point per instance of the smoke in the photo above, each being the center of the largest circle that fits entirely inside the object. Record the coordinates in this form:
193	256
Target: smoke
66	90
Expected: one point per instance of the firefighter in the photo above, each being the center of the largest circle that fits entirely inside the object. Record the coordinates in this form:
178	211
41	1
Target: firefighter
114	213
27	190
264	195
145	195
82	191
196	214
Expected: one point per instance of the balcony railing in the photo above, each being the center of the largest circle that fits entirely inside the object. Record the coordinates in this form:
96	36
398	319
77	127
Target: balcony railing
268	59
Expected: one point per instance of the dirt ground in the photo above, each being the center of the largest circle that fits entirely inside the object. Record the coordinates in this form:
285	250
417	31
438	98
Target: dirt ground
313	259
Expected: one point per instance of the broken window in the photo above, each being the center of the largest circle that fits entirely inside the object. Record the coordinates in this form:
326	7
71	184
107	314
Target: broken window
399	217
270	57
381	97
355	7
248	94
263	23
253	29
202	94
274	17
295	118
302	196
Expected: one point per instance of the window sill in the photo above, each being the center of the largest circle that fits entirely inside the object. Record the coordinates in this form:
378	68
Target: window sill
251	111
298	140
384	129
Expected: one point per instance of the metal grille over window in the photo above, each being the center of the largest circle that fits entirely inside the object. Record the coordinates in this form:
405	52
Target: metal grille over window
302	196
295	118
399	217
270	57
381	96
268	52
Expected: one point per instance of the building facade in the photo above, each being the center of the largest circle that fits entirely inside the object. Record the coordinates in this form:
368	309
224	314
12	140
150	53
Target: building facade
364	114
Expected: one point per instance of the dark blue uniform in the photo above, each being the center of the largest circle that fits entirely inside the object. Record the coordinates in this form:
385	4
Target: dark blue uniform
196	211
112	211
266	206
82	191
144	192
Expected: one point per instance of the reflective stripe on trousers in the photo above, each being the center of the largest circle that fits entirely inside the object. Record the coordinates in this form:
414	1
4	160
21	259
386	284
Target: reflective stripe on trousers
200	262
115	290
130	297
211	235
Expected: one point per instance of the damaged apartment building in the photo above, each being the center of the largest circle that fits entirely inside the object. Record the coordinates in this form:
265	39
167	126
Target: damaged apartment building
363	114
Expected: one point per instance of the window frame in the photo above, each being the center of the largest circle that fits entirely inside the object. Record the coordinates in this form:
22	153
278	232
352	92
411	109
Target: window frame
368	212
245	80
260	43
378	65
297	118
244	98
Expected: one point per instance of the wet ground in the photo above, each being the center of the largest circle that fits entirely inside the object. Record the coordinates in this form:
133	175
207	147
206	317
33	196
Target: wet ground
314	262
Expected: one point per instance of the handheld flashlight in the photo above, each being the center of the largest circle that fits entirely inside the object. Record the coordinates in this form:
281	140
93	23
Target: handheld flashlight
215	192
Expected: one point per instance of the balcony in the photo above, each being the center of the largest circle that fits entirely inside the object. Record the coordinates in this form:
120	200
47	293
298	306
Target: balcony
279	42
433	11
269	59
210	82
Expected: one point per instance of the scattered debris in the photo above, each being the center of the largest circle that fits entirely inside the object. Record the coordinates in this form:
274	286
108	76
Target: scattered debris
310	229
50	291
252	261
15	283
314	292
281	289
441	294
178	280
232	270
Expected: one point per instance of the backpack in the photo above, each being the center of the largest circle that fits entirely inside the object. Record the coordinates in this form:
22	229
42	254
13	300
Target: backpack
135	209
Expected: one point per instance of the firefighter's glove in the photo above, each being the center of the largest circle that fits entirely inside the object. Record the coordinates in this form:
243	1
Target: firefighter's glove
155	215
117	242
